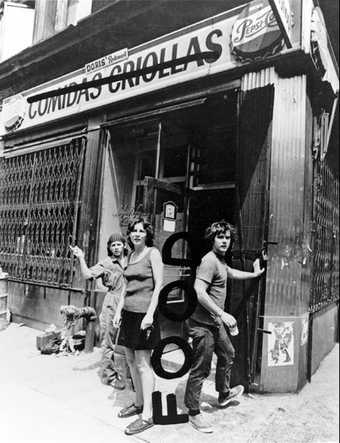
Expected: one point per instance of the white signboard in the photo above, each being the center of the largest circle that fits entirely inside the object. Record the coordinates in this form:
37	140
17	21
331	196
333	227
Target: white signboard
211	35
169	225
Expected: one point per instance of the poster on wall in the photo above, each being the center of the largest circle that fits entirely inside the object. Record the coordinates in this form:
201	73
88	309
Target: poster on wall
281	344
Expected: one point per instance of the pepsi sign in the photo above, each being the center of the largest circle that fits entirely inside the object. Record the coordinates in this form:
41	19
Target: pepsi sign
255	33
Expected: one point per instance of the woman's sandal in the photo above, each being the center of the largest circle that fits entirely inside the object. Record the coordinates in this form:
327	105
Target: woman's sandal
130	410
138	425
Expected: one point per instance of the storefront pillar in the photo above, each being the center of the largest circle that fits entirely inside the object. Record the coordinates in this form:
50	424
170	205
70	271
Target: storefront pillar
284	351
88	232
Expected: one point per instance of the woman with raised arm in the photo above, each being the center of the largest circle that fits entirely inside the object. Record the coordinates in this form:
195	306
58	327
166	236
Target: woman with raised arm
137	317
110	270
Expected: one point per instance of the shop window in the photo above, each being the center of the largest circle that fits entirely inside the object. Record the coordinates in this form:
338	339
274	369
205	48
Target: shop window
169	159
124	164
175	160
146	164
134	155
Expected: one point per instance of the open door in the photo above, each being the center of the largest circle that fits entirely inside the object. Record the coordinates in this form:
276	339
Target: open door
178	170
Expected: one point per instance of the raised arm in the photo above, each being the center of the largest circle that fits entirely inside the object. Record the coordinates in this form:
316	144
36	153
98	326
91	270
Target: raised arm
157	270
236	274
85	271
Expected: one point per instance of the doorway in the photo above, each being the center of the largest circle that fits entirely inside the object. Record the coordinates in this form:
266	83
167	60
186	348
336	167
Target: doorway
178	170
186	158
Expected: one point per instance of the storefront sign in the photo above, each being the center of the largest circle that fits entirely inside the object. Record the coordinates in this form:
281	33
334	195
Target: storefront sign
255	32
199	50
211	35
284	18
106	61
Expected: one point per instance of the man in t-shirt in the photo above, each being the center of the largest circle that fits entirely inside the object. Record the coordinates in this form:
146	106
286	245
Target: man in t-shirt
110	270
207	324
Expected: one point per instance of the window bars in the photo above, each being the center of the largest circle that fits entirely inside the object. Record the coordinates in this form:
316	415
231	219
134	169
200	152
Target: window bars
39	207
325	273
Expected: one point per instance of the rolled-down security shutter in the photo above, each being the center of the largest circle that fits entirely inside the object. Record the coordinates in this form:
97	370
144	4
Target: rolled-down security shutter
39	206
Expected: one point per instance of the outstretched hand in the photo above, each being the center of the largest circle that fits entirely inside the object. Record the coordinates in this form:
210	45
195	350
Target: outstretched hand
256	266
77	252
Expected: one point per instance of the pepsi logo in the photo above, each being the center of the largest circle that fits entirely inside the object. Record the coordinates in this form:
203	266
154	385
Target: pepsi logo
255	33
14	112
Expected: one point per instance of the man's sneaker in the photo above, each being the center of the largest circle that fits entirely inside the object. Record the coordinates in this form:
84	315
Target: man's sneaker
199	423
224	399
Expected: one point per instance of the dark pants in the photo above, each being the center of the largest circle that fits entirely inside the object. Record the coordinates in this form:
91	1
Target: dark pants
207	340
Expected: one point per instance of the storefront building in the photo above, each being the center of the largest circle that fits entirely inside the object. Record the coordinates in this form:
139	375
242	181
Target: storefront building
230	117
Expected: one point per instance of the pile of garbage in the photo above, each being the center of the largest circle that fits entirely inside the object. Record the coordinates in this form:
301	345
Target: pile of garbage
52	341
66	340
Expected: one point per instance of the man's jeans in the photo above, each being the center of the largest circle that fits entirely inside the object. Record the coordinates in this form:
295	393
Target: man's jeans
207	340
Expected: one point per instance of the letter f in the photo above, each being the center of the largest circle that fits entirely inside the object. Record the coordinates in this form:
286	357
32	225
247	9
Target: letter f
172	417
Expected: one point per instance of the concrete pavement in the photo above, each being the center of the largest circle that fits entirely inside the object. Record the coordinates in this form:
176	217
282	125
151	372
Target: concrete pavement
49	398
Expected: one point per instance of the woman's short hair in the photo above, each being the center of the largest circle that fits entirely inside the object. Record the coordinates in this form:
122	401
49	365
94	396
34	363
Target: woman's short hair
113	238
146	225
220	227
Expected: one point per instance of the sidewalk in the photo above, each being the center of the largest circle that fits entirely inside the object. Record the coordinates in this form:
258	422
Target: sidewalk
46	398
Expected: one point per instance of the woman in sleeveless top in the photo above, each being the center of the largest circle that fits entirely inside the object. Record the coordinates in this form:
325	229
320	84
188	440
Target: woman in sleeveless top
139	327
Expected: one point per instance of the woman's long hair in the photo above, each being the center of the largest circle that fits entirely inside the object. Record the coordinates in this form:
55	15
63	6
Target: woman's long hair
146	225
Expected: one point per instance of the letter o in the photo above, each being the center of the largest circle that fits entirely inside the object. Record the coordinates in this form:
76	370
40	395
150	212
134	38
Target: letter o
189	292
149	76
158	352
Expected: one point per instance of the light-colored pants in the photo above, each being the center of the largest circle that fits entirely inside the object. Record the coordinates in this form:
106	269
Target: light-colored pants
111	367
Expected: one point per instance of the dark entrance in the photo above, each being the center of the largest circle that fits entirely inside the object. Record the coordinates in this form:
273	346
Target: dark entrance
185	160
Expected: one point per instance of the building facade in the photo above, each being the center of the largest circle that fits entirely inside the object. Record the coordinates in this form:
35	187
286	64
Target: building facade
228	116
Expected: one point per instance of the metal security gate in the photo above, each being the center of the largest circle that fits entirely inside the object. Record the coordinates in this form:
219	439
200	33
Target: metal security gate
39	206
325	273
